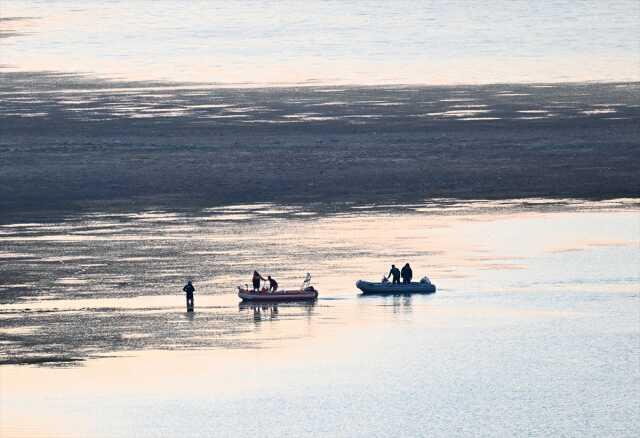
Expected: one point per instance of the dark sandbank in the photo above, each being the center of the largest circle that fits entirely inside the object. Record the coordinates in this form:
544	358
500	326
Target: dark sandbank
70	143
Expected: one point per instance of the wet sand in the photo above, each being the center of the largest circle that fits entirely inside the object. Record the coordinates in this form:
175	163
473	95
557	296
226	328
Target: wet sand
76	144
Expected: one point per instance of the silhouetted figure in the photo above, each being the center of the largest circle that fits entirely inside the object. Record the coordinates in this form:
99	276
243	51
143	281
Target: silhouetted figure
256	280
189	290
273	284
395	274
406	273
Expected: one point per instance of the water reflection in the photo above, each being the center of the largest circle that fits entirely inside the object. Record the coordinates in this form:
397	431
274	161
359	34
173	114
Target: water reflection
399	303
564	324
317	43
271	311
134	278
261	312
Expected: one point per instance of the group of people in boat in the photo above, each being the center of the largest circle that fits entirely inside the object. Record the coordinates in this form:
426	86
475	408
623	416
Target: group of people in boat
395	274
255	280
406	274
189	289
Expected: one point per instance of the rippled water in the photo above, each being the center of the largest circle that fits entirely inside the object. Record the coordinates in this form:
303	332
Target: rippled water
533	330
43	98
354	42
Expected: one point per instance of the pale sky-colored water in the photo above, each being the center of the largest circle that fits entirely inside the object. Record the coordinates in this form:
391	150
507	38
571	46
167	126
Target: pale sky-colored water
360	42
533	330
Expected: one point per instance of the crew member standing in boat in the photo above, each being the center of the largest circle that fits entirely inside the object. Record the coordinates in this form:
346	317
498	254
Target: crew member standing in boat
189	290
273	284
395	274
256	280
406	273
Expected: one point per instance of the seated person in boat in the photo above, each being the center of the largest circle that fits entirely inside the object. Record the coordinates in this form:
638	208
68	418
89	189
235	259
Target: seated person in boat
395	274
406	273
273	284
256	280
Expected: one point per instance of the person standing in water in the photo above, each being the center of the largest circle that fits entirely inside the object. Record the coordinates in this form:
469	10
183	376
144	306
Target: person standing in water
406	273
256	280
189	290
395	273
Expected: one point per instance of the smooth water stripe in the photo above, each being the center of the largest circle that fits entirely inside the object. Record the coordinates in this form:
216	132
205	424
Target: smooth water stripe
265	42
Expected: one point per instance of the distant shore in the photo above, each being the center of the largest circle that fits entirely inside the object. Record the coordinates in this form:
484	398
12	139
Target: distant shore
67	148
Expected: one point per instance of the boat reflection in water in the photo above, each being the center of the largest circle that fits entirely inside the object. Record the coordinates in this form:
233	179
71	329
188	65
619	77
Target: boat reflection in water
271	311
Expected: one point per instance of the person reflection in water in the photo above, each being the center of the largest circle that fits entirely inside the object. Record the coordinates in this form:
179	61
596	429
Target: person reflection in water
395	274
256	280
406	273
189	290
273	284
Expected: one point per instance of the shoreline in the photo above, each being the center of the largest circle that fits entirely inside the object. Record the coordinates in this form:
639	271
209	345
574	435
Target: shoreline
117	83
303	210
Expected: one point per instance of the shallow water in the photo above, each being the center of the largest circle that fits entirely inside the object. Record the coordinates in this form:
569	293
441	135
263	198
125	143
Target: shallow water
533	330
328	42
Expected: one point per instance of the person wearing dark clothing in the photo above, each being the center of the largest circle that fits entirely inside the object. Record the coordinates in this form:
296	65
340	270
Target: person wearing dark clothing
395	273
189	290
256	280
273	284
406	273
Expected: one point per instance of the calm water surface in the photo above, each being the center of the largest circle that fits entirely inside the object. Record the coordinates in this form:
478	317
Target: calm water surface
347	42
534	329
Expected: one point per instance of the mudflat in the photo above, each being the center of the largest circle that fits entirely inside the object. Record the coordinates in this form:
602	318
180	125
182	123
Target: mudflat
70	143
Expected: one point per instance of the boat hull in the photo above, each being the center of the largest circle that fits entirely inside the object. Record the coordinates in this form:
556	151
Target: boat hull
370	288
279	296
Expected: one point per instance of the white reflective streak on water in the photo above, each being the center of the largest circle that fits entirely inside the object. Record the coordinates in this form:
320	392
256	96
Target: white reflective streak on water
348	42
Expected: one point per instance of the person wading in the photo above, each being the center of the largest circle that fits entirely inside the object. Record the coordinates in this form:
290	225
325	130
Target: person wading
189	290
